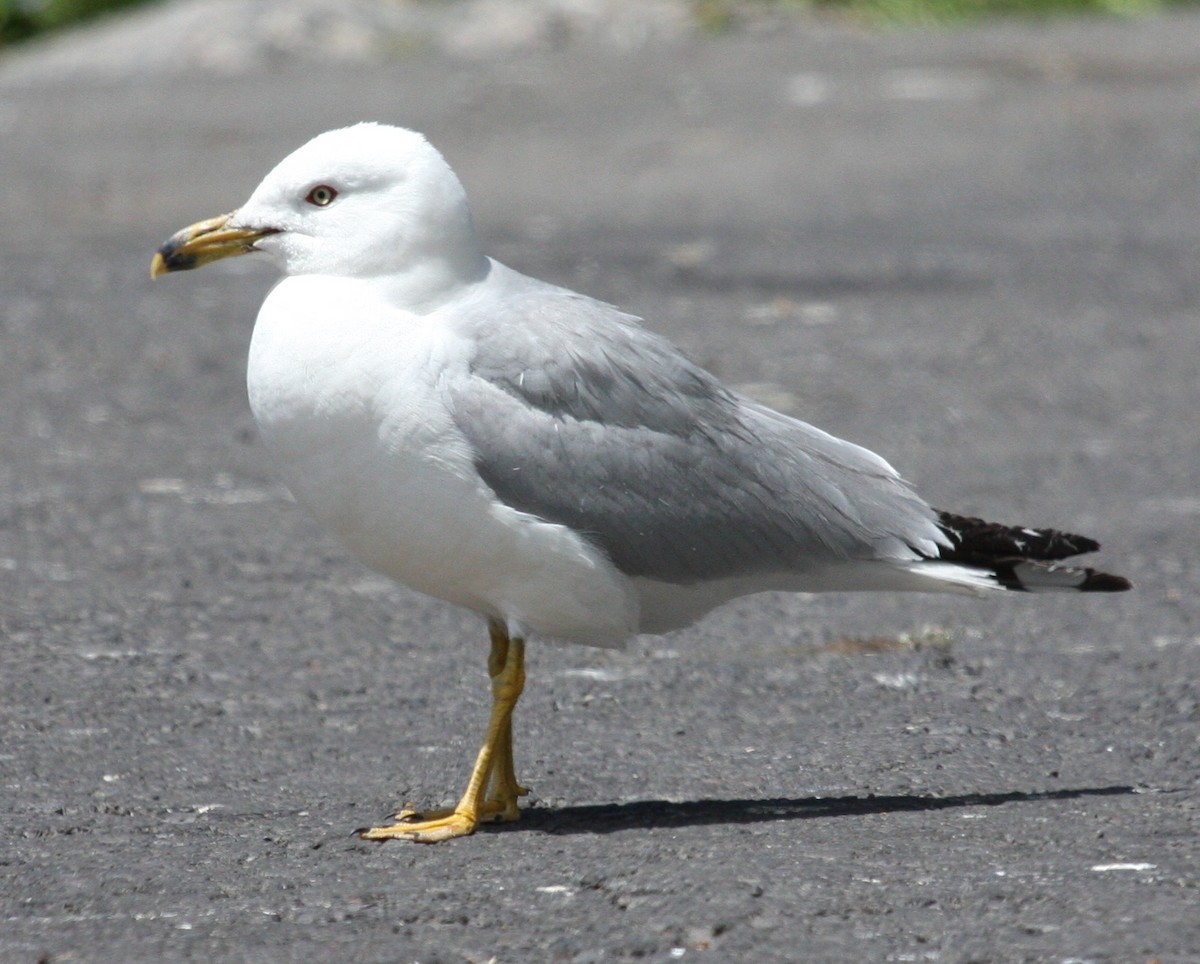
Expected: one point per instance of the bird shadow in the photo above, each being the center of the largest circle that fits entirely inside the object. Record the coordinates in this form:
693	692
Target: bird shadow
653	814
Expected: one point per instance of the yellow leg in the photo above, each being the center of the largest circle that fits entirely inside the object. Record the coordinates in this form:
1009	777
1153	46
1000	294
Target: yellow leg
501	802
493	765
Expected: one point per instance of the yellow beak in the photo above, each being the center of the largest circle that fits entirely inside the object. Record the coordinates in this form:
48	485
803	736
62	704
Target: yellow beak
205	241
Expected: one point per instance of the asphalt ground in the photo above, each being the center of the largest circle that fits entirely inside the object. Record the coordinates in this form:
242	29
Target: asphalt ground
975	252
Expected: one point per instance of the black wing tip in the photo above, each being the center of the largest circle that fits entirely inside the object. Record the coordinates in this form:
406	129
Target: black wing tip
1016	555
1023	575
972	536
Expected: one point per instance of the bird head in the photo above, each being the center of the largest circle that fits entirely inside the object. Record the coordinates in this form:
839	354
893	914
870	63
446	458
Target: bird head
363	201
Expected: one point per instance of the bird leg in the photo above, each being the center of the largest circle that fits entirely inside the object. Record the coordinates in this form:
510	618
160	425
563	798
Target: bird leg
501	805
492	792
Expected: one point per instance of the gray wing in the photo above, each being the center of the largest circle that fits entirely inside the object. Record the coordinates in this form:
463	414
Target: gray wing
579	416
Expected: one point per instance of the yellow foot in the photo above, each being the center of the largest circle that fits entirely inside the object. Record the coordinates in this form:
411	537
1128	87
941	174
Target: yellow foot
424	827
501	811
433	826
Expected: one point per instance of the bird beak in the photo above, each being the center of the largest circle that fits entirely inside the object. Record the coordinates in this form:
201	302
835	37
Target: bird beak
205	241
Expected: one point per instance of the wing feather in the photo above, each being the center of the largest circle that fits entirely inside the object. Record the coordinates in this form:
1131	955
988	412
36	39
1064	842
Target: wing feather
578	416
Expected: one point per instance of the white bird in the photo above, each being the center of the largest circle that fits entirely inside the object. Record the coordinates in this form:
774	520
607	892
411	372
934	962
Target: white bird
538	457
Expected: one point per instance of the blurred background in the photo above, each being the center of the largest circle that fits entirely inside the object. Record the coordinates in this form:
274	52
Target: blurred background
21	20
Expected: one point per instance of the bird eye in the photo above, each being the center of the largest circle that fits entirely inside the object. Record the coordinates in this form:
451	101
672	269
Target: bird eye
322	195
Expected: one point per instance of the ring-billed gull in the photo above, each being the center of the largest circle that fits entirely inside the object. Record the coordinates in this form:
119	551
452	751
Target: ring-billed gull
535	455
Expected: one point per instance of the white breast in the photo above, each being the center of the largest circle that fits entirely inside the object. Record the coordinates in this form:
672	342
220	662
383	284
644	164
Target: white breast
348	394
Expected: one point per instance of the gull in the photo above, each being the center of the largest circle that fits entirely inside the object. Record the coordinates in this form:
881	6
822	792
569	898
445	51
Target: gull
537	456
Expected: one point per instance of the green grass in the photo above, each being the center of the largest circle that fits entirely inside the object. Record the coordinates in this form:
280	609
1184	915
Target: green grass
958	11
23	19
720	14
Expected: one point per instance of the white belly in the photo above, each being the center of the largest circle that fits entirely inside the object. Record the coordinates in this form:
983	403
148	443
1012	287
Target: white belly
347	394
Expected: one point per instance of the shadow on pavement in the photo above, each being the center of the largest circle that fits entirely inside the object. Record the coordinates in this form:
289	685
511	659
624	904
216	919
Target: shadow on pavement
645	814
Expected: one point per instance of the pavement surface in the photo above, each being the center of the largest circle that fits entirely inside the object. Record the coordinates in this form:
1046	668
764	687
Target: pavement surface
977	252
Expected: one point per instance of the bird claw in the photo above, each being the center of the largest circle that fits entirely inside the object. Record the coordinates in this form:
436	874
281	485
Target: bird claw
431	826
424	827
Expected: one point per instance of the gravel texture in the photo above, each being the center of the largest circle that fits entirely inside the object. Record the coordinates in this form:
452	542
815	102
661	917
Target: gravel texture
973	251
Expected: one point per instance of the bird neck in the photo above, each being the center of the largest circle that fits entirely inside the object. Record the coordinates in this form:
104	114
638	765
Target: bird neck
425	284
